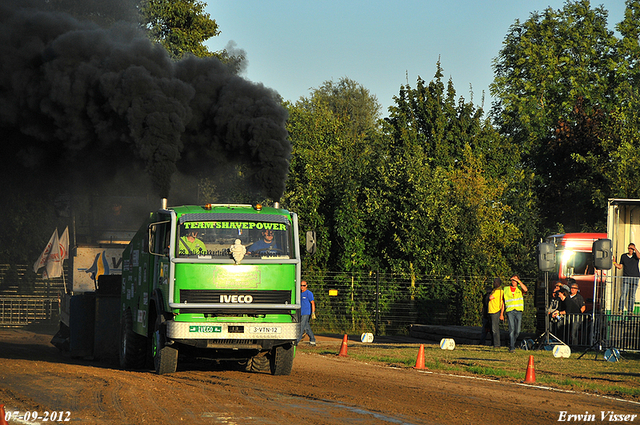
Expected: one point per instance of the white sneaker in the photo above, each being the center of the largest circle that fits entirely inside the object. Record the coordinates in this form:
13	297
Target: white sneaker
312	343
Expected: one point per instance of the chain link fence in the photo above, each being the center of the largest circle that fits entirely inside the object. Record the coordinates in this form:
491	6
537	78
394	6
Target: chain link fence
387	304
381	303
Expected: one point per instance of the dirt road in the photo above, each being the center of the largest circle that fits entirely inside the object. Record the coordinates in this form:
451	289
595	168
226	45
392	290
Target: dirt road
35	376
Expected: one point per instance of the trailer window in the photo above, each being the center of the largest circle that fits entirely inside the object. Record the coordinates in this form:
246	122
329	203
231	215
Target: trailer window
214	238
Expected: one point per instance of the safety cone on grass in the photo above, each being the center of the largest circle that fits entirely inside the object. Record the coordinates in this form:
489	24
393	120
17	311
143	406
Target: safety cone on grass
420	359
531	372
343	347
3	418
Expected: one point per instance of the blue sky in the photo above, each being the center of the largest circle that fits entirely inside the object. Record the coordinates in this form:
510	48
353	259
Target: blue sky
293	46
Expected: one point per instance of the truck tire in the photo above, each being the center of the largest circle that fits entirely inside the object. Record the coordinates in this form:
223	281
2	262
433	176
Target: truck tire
165	357
132	346
281	359
259	363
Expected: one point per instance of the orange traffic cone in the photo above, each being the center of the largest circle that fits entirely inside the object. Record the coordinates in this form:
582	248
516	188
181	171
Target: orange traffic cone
420	359
343	347
531	372
3	418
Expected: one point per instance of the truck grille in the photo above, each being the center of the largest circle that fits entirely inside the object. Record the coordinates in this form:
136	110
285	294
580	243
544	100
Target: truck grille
207	296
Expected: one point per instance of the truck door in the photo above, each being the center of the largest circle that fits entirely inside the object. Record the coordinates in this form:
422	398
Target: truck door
159	245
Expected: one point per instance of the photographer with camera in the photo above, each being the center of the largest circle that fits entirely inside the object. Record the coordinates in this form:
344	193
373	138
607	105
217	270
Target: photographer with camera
554	303
558	315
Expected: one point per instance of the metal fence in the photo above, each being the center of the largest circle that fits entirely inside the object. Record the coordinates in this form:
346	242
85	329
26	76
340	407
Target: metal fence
387	304
382	303
21	280
622	294
597	331
618	331
20	310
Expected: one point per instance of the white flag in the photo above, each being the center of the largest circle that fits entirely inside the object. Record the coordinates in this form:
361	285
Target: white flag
64	245
53	255
53	267
45	254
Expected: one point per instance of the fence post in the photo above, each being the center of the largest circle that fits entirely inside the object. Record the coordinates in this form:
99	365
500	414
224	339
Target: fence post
377	314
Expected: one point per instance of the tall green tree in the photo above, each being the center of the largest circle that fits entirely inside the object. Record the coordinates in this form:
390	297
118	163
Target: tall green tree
181	26
618	129
555	84
443	185
334	134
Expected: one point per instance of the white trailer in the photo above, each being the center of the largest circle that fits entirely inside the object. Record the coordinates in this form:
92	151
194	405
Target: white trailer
623	228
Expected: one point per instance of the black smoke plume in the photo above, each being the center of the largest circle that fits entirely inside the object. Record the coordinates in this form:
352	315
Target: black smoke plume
81	103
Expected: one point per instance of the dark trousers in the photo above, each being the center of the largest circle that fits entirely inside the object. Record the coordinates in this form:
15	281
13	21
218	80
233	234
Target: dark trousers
486	328
495	328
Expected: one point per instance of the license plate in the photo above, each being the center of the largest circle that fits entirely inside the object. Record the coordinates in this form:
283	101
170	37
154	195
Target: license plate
205	329
265	330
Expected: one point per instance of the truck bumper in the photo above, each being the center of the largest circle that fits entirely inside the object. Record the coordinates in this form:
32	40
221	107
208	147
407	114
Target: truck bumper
235	331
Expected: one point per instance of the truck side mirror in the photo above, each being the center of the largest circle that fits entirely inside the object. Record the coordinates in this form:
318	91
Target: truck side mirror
311	242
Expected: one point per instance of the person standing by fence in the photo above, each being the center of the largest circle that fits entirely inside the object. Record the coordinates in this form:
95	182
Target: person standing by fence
495	309
630	275
575	308
307	311
514	306
486	319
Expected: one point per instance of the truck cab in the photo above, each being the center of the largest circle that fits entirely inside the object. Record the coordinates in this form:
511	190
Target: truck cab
220	281
574	259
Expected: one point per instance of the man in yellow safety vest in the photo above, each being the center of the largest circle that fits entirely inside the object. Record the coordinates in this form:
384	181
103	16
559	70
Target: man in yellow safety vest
513	307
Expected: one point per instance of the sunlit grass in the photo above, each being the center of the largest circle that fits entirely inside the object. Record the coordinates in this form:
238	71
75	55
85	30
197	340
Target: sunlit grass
591	373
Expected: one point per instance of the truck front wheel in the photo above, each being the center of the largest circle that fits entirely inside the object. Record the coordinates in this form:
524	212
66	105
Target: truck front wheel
258	363
281	359
132	345
165	357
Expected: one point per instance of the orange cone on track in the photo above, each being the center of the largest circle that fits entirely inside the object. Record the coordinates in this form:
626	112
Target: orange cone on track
420	359
3	418
343	347
531	372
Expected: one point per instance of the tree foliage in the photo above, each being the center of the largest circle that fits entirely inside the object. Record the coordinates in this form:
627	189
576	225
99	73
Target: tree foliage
444	179
180	26
564	88
427	192
334	145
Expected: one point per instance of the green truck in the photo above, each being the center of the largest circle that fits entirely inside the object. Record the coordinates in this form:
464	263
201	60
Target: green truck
219	281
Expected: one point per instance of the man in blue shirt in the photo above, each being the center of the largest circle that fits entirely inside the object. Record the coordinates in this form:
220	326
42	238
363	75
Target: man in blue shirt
266	244
630	275
308	311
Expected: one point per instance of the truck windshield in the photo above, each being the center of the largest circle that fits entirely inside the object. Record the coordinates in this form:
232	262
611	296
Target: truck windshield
215	238
576	263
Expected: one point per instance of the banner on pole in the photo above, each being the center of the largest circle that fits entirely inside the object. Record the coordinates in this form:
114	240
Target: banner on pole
47	250
56	251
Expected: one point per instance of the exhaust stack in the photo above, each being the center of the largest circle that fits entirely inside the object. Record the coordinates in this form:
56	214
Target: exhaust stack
276	205
164	203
